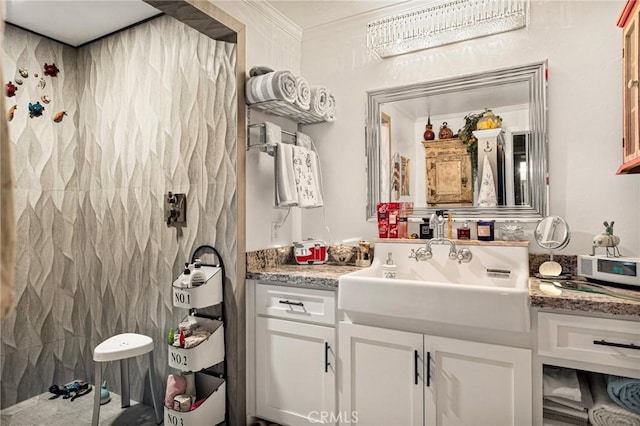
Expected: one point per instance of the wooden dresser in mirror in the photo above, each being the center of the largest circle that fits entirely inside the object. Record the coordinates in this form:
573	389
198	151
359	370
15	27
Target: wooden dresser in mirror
449	176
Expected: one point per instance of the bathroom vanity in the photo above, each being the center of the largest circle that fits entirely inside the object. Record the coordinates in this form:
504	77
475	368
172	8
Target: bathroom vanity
391	367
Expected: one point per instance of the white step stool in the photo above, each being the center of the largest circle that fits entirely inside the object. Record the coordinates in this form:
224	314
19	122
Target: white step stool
121	347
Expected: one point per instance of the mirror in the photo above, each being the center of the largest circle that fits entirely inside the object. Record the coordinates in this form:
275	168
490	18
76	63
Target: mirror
552	233
445	173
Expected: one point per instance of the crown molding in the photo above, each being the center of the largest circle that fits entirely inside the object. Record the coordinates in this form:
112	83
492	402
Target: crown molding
273	15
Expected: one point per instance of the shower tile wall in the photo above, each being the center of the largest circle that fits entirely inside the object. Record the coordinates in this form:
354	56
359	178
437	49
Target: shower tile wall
150	109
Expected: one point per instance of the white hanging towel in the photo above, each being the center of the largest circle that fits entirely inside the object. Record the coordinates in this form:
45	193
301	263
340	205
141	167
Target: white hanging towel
305	165
286	193
487	196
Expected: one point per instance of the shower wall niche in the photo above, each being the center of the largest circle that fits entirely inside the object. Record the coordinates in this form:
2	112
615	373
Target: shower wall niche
149	110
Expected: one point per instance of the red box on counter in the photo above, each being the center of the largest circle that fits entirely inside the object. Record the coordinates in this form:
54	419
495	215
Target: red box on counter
383	220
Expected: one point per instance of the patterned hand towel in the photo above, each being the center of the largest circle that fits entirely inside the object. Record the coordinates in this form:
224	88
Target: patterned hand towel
487	196
308	185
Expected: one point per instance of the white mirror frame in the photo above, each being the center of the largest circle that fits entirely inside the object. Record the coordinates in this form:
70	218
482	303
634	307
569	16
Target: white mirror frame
536	76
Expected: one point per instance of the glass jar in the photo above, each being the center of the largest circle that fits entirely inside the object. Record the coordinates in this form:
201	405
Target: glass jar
464	232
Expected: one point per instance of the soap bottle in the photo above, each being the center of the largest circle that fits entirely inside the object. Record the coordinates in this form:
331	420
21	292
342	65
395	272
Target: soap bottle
403	225
426	232
464	232
389	270
198	277
186	277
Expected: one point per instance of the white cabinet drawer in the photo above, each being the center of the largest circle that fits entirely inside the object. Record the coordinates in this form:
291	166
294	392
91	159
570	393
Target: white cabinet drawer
595	340
299	304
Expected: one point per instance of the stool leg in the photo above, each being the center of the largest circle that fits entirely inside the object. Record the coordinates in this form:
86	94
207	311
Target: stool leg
124	382
153	388
96	390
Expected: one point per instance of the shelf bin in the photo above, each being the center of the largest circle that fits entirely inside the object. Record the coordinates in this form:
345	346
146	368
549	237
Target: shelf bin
210	412
209	352
208	294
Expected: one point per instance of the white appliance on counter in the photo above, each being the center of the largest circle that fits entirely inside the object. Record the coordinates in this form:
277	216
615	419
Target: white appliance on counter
616	270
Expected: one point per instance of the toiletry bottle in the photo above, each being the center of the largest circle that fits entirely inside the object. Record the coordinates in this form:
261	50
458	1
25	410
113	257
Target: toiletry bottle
182	338
425	231
449	226
485	230
198	277
464	232
186	276
389	270
172	336
403	225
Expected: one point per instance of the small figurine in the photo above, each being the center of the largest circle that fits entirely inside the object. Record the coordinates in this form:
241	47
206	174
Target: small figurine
607	240
35	110
51	70
11	89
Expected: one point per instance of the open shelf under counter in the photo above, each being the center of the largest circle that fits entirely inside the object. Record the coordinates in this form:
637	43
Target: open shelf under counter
495	243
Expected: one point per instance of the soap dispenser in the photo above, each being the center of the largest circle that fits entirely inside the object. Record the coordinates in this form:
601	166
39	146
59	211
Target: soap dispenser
186	276
389	270
198	276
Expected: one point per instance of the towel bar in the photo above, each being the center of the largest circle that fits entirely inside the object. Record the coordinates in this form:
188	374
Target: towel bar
263	145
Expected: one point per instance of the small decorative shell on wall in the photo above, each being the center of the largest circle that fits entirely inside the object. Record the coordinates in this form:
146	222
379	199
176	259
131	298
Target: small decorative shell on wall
19	81
24	72
45	99
59	116
42	83
11	112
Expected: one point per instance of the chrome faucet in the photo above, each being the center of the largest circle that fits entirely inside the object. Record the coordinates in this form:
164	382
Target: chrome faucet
425	253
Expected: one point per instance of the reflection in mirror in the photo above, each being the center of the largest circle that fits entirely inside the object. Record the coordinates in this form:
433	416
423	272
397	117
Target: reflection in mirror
497	172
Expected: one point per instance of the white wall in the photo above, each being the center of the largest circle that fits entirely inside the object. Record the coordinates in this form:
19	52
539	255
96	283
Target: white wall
274	42
583	46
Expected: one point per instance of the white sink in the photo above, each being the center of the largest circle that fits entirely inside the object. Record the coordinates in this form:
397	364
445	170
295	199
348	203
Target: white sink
441	290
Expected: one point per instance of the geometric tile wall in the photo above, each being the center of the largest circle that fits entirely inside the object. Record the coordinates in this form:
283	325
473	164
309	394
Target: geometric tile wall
150	109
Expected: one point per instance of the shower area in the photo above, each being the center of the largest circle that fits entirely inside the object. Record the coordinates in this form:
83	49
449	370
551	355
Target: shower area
144	111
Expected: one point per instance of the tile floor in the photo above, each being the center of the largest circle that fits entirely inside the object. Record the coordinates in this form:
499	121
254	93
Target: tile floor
40	410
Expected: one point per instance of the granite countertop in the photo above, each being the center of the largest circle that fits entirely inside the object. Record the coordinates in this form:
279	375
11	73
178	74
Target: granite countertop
314	276
277	267
547	296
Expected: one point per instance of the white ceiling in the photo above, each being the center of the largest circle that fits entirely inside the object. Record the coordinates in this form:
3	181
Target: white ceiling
311	13
76	22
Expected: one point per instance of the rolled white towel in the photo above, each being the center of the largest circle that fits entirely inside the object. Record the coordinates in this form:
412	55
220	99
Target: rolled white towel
605	412
303	100
319	100
278	85
331	111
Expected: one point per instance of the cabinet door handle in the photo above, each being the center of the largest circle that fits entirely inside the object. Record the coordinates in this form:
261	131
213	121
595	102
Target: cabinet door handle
288	302
428	369
415	366
616	345
326	357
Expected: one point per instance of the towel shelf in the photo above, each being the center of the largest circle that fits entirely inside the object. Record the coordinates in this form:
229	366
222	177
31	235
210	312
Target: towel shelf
286	109
263	145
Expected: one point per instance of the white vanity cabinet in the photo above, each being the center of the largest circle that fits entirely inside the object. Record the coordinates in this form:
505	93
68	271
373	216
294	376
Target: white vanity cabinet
294	338
398	377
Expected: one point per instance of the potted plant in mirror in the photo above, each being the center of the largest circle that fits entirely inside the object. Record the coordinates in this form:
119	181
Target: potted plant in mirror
466	135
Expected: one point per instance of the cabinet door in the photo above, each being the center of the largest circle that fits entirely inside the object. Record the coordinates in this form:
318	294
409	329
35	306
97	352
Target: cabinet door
381	375
630	89
478	384
295	374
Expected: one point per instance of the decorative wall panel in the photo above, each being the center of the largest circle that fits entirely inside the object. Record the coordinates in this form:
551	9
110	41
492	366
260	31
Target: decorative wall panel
151	109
